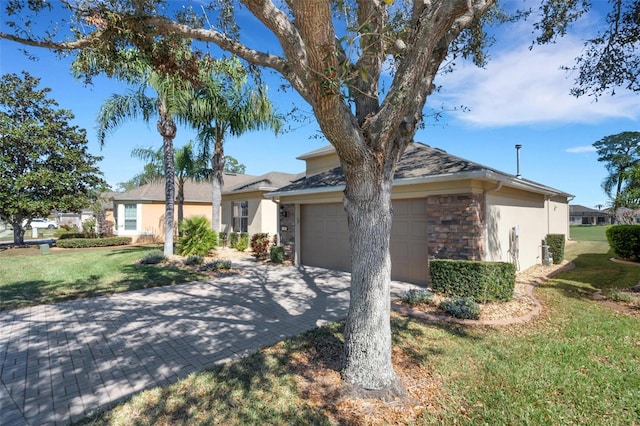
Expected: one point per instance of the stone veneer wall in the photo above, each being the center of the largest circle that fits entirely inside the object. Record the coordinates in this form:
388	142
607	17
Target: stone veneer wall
455	226
288	238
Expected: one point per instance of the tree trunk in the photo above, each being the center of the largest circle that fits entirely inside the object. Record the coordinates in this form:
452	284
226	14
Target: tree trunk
18	233
180	200
167	129
368	370
217	165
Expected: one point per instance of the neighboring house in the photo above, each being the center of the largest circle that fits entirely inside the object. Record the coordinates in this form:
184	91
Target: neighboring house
244	207
139	213
443	207
581	215
626	216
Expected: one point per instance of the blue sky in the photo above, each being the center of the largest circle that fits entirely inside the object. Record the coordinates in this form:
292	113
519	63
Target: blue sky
520	97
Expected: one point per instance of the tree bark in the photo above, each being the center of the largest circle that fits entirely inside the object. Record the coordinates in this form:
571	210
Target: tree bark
18	233
217	165
368	370
167	129
180	200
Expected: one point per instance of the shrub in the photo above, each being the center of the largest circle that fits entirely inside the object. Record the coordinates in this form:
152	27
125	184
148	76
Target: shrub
243	242
67	235
92	242
106	228
277	254
222	239
153	257
482	281
260	245
556	246
624	240
197	237
416	296
89	228
216	265
194	259
461	307
233	239
619	296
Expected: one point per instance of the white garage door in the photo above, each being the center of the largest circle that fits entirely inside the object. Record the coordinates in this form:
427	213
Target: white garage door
325	238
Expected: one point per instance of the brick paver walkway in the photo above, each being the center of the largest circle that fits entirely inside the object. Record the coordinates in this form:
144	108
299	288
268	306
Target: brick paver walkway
61	362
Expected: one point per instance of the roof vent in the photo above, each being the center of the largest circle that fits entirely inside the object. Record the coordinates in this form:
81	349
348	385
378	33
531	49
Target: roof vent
518	146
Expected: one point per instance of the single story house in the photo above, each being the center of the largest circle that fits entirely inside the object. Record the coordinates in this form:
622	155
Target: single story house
444	207
581	215
139	213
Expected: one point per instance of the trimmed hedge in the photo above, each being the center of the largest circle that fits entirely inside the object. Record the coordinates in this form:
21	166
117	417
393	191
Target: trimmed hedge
624	240
482	281
556	247
93	242
70	235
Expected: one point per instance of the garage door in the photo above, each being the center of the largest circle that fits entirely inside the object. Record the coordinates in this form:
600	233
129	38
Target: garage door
325	238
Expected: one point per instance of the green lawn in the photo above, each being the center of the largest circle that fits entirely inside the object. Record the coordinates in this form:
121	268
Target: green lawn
577	363
588	233
30	278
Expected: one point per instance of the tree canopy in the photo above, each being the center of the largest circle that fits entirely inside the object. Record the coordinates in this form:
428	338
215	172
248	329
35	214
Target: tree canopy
232	165
621	155
45	165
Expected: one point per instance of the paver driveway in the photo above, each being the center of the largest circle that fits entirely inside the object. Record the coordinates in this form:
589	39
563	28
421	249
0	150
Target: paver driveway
61	362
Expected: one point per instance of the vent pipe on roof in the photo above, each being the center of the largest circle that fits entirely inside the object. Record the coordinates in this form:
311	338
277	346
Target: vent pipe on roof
518	146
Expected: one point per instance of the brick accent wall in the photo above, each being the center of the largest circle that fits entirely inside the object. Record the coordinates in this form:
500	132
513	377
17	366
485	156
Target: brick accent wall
288	238
455	226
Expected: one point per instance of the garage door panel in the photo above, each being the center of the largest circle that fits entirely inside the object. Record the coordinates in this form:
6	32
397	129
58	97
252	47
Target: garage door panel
325	238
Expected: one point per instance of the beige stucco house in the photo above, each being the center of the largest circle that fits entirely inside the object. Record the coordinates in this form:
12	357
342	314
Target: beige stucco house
444	207
139	213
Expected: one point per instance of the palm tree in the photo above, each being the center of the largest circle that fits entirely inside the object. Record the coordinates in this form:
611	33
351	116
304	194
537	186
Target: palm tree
187	166
171	100
227	105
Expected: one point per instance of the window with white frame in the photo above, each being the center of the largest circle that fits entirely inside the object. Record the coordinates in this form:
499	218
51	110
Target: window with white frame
130	217
240	216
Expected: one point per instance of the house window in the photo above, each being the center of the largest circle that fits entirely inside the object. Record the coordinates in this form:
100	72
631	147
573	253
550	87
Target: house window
240	216
130	217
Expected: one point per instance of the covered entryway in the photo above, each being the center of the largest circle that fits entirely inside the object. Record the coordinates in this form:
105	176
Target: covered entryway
325	238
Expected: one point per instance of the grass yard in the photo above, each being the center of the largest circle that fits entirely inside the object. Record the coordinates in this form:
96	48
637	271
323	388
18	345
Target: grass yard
29	278
577	363
588	233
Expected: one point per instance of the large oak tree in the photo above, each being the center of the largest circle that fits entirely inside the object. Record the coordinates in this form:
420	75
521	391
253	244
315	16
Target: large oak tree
336	55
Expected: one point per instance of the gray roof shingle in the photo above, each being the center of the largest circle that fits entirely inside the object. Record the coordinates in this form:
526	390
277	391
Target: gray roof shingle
418	161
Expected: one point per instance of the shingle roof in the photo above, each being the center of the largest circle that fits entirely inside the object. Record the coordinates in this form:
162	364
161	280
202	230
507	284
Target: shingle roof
267	182
194	191
576	209
418	161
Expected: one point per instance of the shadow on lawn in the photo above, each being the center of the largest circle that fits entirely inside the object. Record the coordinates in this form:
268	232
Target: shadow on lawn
29	293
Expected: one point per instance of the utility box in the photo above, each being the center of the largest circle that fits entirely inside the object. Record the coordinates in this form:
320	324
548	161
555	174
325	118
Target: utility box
44	248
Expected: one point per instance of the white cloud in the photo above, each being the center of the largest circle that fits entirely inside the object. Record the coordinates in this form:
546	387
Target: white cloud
584	148
521	86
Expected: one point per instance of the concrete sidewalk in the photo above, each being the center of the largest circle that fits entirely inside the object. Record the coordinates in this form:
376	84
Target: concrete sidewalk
61	362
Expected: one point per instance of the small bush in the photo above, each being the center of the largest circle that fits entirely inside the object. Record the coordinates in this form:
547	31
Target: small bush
197	237
624	240
277	254
216	265
556	247
92	242
153	257
66	235
243	242
461	307
222	239
416	296
194	259
89	228
619	296
260	245
233	239
482	281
